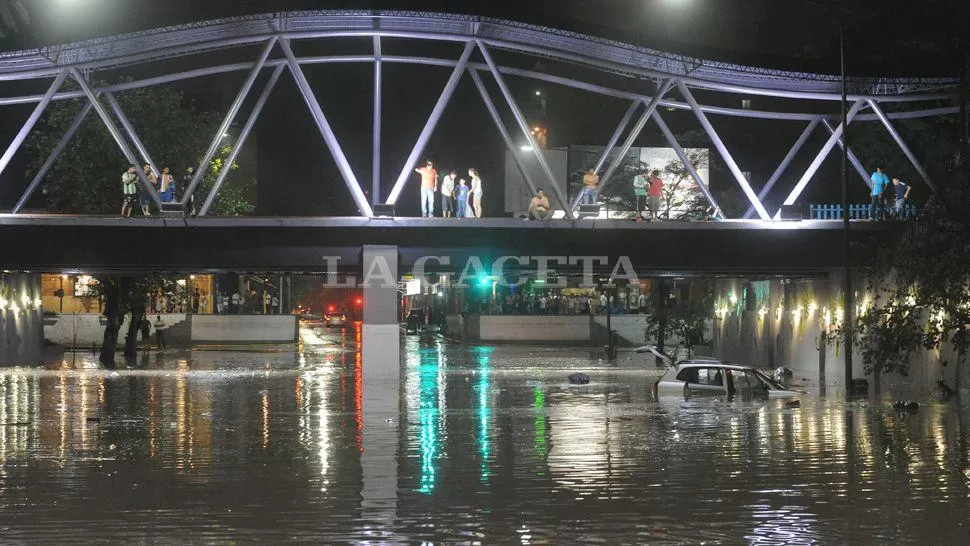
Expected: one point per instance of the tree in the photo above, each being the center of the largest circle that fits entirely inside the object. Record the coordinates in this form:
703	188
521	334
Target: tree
86	177
919	281
687	320
231	200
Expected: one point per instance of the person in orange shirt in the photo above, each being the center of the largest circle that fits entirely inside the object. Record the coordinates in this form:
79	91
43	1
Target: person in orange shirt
429	185
655	193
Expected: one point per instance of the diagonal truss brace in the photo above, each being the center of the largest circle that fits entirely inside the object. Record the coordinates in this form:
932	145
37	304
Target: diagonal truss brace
672	140
624	122
524	127
49	163
130	129
825	151
241	141
852	157
28	126
722	149
227	122
432	122
326	131
117	136
506	137
632	137
376	146
902	145
784	164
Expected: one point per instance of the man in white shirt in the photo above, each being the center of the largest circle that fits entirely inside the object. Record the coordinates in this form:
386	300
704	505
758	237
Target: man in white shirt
448	194
160	327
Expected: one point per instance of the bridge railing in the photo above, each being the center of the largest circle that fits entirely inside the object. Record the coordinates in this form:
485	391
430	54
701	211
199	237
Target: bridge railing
857	212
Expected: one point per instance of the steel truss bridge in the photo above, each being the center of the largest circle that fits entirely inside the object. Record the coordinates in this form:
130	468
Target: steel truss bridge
651	78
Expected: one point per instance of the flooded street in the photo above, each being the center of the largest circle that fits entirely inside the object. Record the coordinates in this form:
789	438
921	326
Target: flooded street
492	446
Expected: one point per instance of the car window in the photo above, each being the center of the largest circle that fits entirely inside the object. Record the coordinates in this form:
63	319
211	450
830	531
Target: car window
709	376
754	381
688	374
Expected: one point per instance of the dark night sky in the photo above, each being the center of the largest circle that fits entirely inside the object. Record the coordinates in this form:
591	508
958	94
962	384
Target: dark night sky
298	176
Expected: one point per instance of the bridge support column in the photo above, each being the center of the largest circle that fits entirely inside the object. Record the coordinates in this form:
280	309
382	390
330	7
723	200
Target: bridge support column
381	384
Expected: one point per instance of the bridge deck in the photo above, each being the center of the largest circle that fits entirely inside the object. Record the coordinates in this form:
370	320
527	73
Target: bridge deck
63	243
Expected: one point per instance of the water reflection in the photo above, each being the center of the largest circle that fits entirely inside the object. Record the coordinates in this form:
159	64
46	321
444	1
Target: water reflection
494	447
483	391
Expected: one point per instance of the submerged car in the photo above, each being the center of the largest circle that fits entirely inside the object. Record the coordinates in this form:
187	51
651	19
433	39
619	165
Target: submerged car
720	378
335	320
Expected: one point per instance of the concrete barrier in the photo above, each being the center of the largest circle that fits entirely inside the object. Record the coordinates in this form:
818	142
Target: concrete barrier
529	328
244	328
86	329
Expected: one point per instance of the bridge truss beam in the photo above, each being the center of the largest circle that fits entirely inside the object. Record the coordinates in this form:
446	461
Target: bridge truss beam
604	56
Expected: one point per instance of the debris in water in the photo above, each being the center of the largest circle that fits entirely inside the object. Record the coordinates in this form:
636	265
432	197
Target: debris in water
578	378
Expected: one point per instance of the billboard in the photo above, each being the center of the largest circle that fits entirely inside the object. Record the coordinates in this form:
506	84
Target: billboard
681	197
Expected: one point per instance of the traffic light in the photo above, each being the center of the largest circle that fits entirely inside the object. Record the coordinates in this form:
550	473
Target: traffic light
359	301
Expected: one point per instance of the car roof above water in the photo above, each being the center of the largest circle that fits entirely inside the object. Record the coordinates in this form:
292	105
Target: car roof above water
700	363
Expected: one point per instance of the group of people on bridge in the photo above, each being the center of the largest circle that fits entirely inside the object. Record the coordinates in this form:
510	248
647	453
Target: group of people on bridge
880	184
459	199
164	184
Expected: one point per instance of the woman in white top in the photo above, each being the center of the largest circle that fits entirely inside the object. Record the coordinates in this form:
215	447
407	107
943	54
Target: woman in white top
476	192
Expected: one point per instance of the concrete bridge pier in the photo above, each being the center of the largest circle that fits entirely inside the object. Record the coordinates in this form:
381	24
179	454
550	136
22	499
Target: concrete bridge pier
381	378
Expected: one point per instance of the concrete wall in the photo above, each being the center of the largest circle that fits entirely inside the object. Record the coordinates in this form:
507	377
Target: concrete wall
182	329
782	324
244	328
86	329
630	329
21	320
537	328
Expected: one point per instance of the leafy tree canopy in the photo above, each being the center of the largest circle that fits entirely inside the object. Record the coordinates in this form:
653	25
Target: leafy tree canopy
86	178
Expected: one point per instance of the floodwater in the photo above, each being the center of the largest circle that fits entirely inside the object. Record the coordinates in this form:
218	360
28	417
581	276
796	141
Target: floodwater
491	446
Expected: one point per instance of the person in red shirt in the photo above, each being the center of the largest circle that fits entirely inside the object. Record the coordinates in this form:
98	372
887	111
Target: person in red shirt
429	185
654	193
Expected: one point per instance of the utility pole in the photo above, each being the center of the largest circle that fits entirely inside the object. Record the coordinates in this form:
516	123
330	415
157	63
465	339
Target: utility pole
847	299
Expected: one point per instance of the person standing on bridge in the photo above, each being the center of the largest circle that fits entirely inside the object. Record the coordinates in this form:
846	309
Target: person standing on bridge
476	192
902	194
143	197
448	194
187	180
129	189
879	184
429	184
461	198
167	186
591	184
640	191
655	193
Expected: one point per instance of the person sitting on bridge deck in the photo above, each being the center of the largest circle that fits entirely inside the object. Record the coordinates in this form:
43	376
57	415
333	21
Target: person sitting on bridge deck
539	207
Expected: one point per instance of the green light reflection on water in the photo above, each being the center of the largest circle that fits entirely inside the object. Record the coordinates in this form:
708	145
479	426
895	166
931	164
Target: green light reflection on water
429	412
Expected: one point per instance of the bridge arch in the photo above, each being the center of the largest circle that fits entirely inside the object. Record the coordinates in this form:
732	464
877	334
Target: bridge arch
656	73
